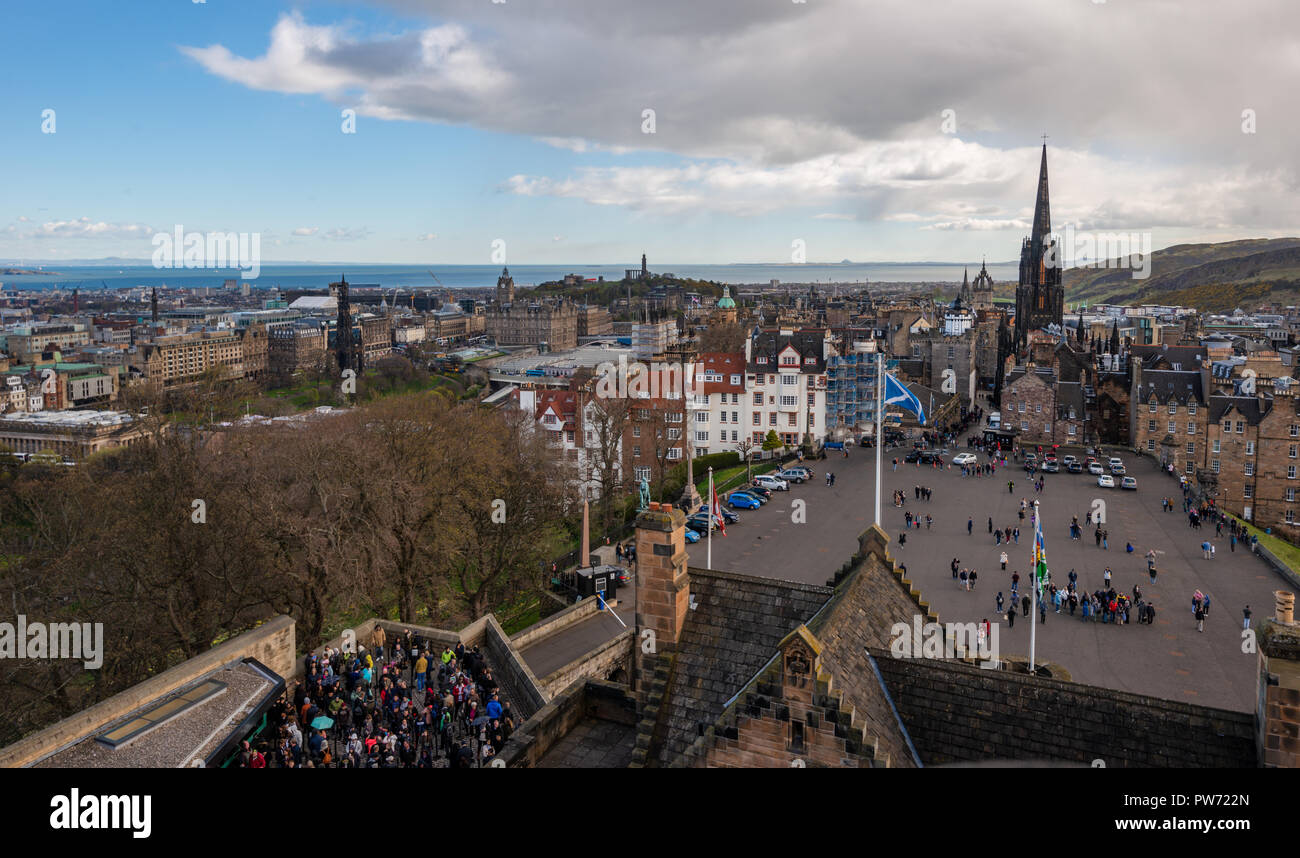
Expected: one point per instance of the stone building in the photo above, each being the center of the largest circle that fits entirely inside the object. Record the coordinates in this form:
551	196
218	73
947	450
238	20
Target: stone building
182	358
1043	408
1169	415
294	347
785	374
1252	460
549	322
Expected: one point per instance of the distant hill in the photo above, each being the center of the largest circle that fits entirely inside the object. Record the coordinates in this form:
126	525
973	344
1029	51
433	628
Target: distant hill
1210	277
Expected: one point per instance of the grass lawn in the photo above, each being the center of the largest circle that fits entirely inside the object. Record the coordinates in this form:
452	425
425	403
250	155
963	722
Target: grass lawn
1282	550
729	478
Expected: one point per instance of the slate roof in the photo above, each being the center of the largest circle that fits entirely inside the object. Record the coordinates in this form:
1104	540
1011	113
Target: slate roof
771	343
1250	408
1182	386
731	634
955	713
1171	357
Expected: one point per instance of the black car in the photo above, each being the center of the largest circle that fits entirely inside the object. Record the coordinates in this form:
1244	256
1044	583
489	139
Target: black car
756	489
913	456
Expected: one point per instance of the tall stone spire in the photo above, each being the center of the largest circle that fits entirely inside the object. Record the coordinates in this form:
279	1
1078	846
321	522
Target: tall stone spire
1042	209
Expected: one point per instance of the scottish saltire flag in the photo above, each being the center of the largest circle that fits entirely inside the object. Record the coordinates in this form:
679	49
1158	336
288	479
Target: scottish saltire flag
896	393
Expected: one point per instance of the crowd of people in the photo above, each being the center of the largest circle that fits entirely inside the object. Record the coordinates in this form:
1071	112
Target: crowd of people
407	703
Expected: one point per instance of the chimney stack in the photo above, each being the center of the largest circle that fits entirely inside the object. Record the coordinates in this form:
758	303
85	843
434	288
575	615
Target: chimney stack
662	585
1277	718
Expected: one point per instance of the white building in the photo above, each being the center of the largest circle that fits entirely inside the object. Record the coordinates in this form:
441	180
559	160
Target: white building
720	409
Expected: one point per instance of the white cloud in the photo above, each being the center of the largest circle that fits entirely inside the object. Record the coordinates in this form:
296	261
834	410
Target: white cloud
84	227
428	236
834	108
306	230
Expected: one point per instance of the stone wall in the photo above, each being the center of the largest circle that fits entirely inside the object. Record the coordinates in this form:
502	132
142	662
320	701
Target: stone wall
955	713
514	676
588	698
556	622
271	643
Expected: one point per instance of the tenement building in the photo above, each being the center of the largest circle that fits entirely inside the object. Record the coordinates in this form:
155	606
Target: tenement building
549	322
1252	466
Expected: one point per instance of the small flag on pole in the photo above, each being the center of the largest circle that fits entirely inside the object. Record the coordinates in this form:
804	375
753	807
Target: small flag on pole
1040	554
714	509
896	393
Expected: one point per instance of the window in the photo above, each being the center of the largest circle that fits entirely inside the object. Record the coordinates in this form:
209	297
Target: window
674	434
758	398
1250	448
1151	425
735	417
812	418
1290	472
1295	430
1241	427
762	359
702	436
1047	428
1173	408
1290	495
1191	428
758	419
1215	447
1191	409
703	417
759	380
1291	451
1250	469
771	419
1151	445
636	454
1290	516
722	417
733	435
1071	429
812	400
1038	409
950	352
1021	407
789	379
735	381
675	453
1248	491
789	360
1152	407
1214	466
1189	467
1191	449
636	431
791	420
1227	425
787	401
1024	425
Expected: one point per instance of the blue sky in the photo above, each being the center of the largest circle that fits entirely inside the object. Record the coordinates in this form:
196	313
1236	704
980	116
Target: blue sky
523	121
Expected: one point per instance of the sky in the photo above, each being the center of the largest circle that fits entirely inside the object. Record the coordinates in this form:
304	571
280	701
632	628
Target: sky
695	131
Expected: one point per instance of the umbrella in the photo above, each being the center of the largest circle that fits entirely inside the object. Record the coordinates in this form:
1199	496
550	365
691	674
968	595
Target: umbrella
480	721
322	722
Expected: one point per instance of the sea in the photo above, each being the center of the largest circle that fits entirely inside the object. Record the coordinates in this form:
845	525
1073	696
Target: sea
92	277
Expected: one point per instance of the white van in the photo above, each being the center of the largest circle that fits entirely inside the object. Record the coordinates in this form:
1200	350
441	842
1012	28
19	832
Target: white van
995	420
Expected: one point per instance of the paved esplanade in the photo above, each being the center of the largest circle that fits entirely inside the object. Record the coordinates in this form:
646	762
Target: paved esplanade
1170	659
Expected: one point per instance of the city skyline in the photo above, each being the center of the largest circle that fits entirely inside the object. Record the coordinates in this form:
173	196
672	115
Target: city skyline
479	122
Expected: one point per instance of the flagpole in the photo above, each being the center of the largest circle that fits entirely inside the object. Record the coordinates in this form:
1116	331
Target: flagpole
713	510
1033	626
880	439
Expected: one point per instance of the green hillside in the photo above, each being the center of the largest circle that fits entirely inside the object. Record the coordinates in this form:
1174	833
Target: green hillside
1238	270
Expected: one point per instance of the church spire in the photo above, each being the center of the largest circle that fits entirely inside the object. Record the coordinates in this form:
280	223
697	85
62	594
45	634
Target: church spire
1042	210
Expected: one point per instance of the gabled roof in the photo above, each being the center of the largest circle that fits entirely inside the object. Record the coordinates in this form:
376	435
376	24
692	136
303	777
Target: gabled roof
734	630
1252	409
1181	386
771	342
725	364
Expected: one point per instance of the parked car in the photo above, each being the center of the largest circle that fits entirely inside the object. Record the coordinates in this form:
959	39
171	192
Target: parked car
963	459
761	492
740	500
771	483
1069	460
1075	467
700	522
692	536
1115	462
1106	481
1050	457
1096	468
1050	467
793	475
1117	470
1129	483
727	515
